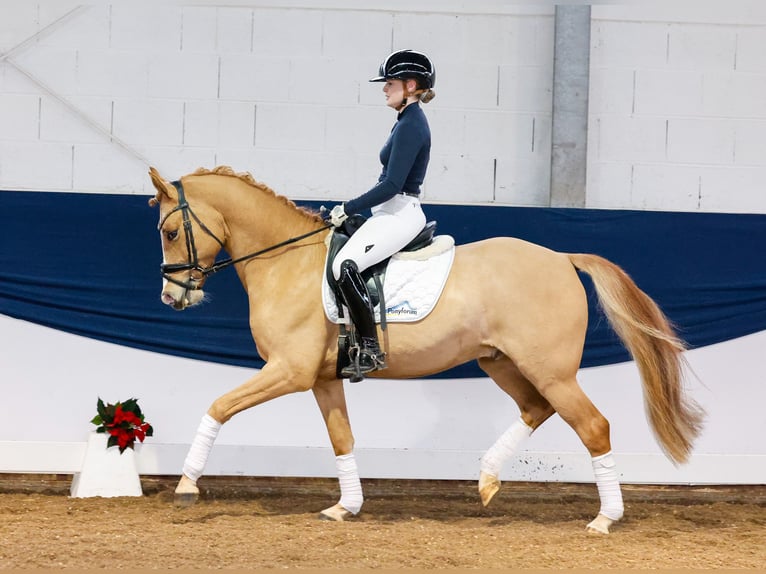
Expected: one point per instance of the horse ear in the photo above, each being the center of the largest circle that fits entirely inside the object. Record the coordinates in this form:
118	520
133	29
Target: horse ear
162	187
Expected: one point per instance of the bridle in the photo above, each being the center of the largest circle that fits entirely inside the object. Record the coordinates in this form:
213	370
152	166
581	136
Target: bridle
193	263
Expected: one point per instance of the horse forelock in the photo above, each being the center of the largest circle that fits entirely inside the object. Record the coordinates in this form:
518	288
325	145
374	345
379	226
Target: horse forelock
250	180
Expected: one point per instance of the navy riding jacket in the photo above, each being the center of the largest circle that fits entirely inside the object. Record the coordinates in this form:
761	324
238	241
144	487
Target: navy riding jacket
404	157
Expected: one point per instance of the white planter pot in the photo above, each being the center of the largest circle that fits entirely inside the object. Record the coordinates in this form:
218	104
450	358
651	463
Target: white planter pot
105	472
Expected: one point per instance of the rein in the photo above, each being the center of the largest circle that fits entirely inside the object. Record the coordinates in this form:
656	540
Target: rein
193	265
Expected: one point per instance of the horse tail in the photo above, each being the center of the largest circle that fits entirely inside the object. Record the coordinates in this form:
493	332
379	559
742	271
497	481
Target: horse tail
676	420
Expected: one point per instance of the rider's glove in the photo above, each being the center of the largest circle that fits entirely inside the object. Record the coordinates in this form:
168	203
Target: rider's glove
337	215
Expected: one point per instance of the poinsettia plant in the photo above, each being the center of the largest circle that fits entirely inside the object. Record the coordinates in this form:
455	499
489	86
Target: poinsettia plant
123	421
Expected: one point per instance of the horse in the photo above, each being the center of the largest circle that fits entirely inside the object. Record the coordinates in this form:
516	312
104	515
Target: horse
519	309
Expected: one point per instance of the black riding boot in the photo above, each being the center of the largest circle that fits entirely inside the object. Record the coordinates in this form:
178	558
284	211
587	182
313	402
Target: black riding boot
359	304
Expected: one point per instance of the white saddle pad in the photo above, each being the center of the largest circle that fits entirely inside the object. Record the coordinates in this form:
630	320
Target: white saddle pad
412	284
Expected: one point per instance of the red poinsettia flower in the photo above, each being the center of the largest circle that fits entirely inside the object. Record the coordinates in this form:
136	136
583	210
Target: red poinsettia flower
123	421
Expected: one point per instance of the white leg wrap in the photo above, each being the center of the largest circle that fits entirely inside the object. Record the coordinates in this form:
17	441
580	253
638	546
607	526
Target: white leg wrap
506	445
608	485
351	497
200	447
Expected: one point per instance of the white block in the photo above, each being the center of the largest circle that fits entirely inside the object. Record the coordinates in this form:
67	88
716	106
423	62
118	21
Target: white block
88	28
499	134
526	89
287	33
693	11
628	44
361	34
735	94
361	129
733	190
290	127
191	75
21	25
751	46
447	130
108	168
201	123
523	181
223	124
694	47
703	140
669	92
235	30
612	91
629	138
236	124
59	123
112	72
749	147
609	185
147	29
19	117
151	122
175	161
438	35
460	179
666	187
327	80
199	29
251	77
463	83
105	472
53	66
21	165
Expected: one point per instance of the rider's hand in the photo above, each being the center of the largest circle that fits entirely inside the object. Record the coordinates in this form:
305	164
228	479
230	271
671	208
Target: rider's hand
337	215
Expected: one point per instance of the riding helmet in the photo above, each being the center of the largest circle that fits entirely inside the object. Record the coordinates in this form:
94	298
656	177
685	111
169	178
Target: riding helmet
405	64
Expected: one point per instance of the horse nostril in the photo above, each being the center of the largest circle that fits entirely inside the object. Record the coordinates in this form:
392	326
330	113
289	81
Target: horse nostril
168	299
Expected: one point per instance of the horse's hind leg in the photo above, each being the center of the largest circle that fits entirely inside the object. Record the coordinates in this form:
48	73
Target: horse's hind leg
566	396
535	410
332	403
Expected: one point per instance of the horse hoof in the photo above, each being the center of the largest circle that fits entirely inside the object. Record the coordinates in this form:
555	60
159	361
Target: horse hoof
600	525
488	487
185	499
335	513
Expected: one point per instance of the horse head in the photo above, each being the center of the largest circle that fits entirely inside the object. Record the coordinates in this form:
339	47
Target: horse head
190	232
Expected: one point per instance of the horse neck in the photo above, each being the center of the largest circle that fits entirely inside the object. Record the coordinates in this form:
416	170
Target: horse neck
256	218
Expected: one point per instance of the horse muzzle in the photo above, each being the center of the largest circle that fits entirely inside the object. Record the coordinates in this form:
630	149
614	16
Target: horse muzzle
182	294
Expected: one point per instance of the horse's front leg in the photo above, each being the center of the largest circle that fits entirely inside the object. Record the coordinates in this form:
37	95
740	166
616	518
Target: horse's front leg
273	381
332	402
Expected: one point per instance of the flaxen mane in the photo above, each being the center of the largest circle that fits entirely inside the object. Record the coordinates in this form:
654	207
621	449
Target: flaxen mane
250	180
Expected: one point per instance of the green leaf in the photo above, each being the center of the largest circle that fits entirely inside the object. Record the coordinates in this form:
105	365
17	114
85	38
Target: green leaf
150	431
101	430
111	442
100	408
130	405
97	420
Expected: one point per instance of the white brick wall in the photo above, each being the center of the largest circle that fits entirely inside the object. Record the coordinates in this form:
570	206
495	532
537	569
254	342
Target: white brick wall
677	107
278	89
677	101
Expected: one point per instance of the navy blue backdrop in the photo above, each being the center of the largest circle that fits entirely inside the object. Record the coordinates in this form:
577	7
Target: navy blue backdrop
89	264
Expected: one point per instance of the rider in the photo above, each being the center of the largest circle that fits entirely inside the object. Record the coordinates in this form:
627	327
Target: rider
397	216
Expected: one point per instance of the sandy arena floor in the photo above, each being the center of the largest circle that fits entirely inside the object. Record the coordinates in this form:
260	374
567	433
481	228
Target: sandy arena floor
272	523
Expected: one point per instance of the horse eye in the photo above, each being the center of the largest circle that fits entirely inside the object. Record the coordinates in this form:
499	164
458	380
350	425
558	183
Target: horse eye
171	235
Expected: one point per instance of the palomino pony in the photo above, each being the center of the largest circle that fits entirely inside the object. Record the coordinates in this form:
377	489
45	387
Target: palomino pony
518	308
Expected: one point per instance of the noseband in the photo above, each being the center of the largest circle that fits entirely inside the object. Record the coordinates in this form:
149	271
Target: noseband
193	263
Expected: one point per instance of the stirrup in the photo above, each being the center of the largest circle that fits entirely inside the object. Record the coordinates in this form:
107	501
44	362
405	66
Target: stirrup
362	362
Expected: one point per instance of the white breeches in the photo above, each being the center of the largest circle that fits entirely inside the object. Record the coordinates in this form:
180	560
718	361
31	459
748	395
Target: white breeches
393	225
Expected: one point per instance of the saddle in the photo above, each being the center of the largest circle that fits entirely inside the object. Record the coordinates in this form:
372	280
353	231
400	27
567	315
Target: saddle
374	275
